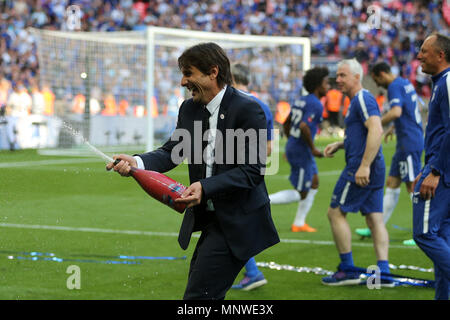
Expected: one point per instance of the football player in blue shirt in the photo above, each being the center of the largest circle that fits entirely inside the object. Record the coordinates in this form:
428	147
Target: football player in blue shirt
301	127
253	277
431	200
405	114
360	186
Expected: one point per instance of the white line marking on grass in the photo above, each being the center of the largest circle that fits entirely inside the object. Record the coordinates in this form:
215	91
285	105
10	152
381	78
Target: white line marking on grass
19	164
331	243
173	234
62	228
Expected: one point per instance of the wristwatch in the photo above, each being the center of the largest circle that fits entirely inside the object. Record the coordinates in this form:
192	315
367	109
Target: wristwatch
435	172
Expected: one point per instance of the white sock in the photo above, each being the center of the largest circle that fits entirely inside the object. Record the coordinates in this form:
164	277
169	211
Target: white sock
390	200
303	208
285	196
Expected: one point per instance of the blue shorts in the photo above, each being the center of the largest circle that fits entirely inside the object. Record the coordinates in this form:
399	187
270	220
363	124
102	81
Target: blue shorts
352	198
406	165
302	174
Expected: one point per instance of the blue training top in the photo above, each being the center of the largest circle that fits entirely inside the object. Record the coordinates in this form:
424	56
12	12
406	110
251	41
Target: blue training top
267	112
437	133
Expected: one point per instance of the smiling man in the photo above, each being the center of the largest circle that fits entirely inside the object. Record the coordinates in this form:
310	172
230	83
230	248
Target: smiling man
227	202
431	201
360	186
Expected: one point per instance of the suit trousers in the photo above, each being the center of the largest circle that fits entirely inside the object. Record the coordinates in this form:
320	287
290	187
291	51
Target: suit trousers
213	267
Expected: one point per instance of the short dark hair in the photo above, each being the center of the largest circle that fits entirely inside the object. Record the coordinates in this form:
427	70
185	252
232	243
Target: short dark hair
443	43
314	77
240	73
204	56
380	67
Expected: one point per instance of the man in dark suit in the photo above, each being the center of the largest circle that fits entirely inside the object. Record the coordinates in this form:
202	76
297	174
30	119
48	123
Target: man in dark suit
227	199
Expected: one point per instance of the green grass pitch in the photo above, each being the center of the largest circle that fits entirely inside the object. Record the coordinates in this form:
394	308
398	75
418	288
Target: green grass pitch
77	210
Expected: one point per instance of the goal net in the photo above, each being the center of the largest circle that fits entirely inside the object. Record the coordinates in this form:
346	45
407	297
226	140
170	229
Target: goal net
123	88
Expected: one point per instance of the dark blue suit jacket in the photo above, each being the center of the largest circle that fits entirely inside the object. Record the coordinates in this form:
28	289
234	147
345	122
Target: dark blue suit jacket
236	188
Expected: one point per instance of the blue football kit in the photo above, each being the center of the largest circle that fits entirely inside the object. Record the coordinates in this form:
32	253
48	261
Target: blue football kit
307	109
347	194
406	162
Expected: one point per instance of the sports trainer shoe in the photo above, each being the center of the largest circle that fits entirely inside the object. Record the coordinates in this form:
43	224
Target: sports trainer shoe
303	228
363	232
342	278
250	283
409	242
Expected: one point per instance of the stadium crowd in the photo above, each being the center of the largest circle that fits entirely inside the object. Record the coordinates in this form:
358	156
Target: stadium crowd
335	27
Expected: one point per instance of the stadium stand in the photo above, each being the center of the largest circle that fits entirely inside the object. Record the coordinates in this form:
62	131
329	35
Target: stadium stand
336	28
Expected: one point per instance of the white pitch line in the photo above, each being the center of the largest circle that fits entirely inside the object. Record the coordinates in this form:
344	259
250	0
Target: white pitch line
62	228
172	234
19	164
37	163
331	243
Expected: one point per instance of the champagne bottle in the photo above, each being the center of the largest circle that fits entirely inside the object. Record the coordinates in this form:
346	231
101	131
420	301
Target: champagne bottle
159	187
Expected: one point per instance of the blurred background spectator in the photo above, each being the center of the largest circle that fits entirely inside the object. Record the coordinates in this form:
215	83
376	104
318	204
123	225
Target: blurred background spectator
336	28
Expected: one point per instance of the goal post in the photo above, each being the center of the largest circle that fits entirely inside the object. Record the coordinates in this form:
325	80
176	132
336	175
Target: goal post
140	68
159	36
